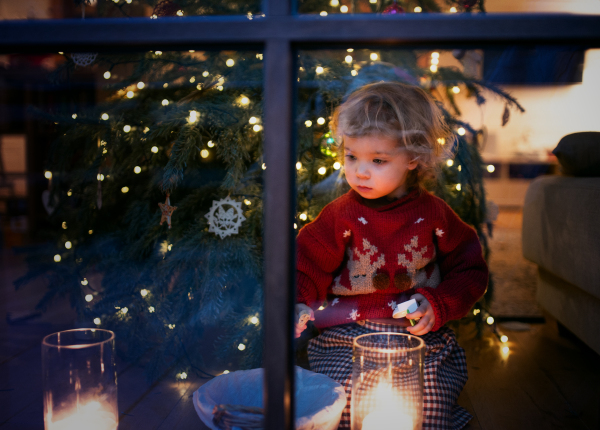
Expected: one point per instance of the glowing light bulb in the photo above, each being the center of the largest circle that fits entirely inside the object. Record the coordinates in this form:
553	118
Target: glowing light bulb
319	70
151	309
298	165
491	168
334	3
254	320
144	292
64	225
154	149
264	166
170	247
48	174
89	298
453	9
450	163
84	282
433	68
344	9
322	170
503	338
257	128
137	169
57	258
295	226
253	120
247	202
455	89
90	231
461	131
373	56
183	375
74	116
171	326
225	372
124	310
104	116
97	321
458	187
337	165
241	346
323	13
141	85
308	123
199	87
100	176
435	61
303	216
106	75
191	51
348	59
179	13
210	144
165	102
204	153
193	117
418	9
490	320
505	350
230	62
435	55
441	141
125	190
245	100
476	311
205	73
165	85
69	193
321	121
127	128
354	73
146	130
321	308
130	94
158	52
68	245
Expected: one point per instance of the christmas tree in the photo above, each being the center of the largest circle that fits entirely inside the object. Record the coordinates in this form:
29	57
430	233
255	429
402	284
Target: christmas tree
157	187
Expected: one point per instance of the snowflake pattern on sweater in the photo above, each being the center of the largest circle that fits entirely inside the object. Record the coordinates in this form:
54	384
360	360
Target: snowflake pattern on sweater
388	258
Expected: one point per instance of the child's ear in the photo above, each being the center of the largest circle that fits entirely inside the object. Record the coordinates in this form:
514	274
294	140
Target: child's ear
412	164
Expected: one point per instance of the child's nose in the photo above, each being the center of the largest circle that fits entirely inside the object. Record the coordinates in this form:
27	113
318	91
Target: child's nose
362	172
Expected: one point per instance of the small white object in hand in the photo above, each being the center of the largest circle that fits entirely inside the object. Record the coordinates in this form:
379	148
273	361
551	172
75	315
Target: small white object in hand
405	308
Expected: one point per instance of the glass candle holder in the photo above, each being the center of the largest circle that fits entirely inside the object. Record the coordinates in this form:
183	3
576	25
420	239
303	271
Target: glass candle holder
387	382
80	380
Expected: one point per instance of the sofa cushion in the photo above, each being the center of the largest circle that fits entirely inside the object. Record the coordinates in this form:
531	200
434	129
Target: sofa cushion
579	154
561	229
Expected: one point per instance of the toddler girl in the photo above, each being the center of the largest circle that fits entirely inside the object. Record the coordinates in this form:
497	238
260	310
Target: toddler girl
386	241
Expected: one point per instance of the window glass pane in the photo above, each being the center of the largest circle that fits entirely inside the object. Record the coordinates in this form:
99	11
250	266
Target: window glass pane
507	108
325	7
61	9
131	200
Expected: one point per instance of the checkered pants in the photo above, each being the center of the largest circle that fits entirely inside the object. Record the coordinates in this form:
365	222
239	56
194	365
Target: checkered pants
445	370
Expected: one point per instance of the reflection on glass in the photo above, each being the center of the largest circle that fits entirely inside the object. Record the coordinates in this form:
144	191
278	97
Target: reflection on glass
146	208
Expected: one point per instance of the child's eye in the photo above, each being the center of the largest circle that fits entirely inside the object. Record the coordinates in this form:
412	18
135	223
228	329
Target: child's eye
378	161
350	157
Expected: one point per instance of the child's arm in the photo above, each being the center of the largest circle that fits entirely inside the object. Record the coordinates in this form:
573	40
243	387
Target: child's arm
463	269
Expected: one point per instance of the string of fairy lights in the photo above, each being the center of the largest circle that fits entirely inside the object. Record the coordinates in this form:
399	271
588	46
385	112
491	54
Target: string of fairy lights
329	164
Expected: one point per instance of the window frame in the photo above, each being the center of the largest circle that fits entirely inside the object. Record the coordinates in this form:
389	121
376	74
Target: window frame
280	34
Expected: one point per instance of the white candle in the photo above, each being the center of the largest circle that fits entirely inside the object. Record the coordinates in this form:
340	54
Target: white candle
388	414
89	417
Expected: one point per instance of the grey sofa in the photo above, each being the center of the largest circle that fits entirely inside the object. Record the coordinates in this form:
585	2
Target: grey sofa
561	234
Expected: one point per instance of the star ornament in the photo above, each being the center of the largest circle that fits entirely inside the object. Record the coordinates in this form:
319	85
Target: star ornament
225	217
166	210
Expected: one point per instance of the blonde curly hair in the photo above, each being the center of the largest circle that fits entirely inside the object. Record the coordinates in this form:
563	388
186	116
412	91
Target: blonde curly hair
403	112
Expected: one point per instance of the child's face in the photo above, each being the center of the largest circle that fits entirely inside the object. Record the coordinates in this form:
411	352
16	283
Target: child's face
376	167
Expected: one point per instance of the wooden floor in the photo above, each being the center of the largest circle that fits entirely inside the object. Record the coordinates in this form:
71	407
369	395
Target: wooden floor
545	381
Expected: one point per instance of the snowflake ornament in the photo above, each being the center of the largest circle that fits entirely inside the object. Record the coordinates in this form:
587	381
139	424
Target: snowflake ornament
353	315
335	302
84	59
363	220
347	233
439	232
166	210
225	217
392	304
419	220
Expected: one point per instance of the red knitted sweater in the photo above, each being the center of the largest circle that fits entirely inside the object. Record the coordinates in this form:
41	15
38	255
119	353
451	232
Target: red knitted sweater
363	260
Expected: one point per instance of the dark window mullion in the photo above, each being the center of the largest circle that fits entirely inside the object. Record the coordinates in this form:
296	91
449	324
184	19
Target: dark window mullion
279	249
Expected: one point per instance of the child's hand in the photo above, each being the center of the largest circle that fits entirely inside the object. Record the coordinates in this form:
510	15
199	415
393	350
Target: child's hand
425	312
303	315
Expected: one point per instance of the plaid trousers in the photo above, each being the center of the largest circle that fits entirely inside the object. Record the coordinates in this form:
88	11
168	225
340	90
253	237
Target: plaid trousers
445	370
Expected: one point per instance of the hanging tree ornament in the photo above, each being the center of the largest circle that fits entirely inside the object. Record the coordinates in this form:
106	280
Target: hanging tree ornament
225	217
166	211
393	9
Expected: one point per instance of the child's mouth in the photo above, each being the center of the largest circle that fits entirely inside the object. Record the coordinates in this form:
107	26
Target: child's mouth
362	188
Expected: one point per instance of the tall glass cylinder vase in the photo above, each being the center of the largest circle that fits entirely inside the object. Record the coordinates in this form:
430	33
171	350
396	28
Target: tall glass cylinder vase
80	380
387	382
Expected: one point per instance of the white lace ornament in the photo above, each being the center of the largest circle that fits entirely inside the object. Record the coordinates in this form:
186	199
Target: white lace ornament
84	59
225	217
